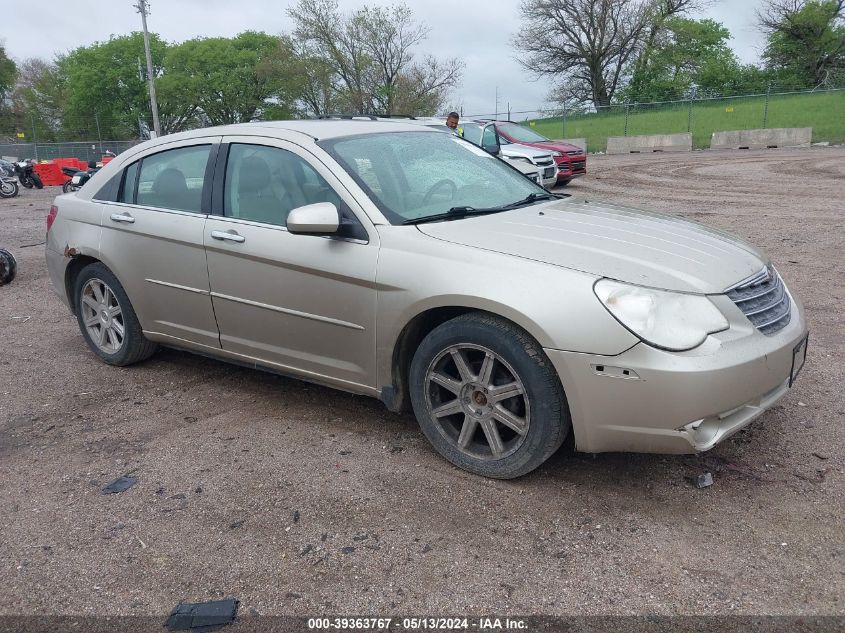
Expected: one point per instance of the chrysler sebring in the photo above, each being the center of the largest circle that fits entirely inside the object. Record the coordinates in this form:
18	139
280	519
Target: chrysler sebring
387	259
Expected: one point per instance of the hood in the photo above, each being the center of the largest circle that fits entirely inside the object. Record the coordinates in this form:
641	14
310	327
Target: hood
529	151
556	146
638	247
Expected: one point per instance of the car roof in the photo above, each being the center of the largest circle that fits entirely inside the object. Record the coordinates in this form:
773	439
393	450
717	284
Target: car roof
316	129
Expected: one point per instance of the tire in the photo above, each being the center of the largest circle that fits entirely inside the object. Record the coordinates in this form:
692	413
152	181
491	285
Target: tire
26	182
9	189
563	183
67	187
8	267
36	180
113	348
456	414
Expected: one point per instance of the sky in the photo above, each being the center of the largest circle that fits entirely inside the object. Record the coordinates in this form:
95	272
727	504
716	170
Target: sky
476	31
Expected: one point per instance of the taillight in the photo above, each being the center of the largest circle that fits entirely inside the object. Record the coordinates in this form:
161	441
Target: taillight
51	217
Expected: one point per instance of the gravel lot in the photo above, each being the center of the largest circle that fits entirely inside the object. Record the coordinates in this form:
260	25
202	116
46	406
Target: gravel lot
301	500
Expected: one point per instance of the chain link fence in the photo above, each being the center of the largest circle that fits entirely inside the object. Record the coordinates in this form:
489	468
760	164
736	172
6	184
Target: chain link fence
822	110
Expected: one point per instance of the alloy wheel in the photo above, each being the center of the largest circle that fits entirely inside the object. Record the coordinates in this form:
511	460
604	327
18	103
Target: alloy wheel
477	401
102	316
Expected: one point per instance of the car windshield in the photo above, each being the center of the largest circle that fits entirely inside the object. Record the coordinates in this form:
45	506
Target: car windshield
414	175
520	134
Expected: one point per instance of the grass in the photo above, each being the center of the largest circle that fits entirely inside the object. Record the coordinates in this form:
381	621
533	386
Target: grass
822	111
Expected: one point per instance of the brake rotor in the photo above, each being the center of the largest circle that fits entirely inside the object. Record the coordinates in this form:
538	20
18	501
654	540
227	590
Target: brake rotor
8	267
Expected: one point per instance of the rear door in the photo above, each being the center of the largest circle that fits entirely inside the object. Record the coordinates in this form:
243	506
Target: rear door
153	239
302	303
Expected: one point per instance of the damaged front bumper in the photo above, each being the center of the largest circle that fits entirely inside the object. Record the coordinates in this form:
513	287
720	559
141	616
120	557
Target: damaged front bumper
655	401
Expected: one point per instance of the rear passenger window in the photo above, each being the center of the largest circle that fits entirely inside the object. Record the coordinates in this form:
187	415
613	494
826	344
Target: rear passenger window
174	179
264	183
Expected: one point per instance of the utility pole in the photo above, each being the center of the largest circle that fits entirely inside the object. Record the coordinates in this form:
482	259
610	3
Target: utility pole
497	103
143	7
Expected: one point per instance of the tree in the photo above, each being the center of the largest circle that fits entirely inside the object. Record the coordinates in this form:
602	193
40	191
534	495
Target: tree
805	40
687	54
107	80
590	44
38	98
367	61
8	72
587	43
227	80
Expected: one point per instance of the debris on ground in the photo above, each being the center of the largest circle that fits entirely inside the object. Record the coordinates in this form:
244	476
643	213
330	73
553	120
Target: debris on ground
704	480
822	456
202	615
8	267
121	484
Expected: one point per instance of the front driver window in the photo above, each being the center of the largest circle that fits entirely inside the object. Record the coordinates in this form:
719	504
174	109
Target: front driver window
264	184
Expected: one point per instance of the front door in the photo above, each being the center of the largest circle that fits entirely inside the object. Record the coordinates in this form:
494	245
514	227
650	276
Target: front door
302	303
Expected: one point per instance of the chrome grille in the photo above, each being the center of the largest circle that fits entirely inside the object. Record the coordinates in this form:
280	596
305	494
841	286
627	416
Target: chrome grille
764	300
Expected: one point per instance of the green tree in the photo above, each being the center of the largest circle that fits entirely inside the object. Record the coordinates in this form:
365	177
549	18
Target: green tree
8	72
227	80
686	55
108	79
806	41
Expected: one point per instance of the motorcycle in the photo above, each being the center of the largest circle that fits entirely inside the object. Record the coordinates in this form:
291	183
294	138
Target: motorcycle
27	176
8	186
78	177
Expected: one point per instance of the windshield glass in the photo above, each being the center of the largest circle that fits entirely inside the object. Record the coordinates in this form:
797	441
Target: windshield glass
520	134
412	175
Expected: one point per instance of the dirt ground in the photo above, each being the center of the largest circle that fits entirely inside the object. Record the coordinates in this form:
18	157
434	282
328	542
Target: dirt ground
300	500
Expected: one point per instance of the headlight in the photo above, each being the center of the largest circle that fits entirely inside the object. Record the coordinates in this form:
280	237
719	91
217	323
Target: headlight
669	320
522	158
557	154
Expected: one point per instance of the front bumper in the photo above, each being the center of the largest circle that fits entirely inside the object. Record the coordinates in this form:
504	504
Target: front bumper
571	167
678	402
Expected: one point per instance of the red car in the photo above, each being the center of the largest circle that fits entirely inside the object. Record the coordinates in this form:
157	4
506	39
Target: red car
571	160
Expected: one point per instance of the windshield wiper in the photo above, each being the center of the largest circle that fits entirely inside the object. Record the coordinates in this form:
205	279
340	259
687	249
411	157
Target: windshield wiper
454	213
531	198
461	212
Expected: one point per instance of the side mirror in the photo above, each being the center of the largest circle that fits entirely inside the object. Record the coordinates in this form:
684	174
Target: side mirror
492	148
321	218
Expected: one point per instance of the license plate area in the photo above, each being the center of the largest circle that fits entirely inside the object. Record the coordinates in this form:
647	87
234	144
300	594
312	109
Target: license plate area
799	357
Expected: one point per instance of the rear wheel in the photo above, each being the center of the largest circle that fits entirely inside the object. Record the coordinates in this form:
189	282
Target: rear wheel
67	187
36	180
107	319
487	397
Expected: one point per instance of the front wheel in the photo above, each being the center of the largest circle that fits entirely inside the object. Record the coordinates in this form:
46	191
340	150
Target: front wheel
563	183
67	187
36	180
25	181
487	398
107	319
8	189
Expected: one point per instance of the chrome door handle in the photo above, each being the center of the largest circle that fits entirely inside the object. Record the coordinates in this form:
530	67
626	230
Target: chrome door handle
122	217
229	237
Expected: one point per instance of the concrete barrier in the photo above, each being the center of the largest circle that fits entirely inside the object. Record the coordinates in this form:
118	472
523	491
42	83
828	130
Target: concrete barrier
650	143
761	139
577	142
